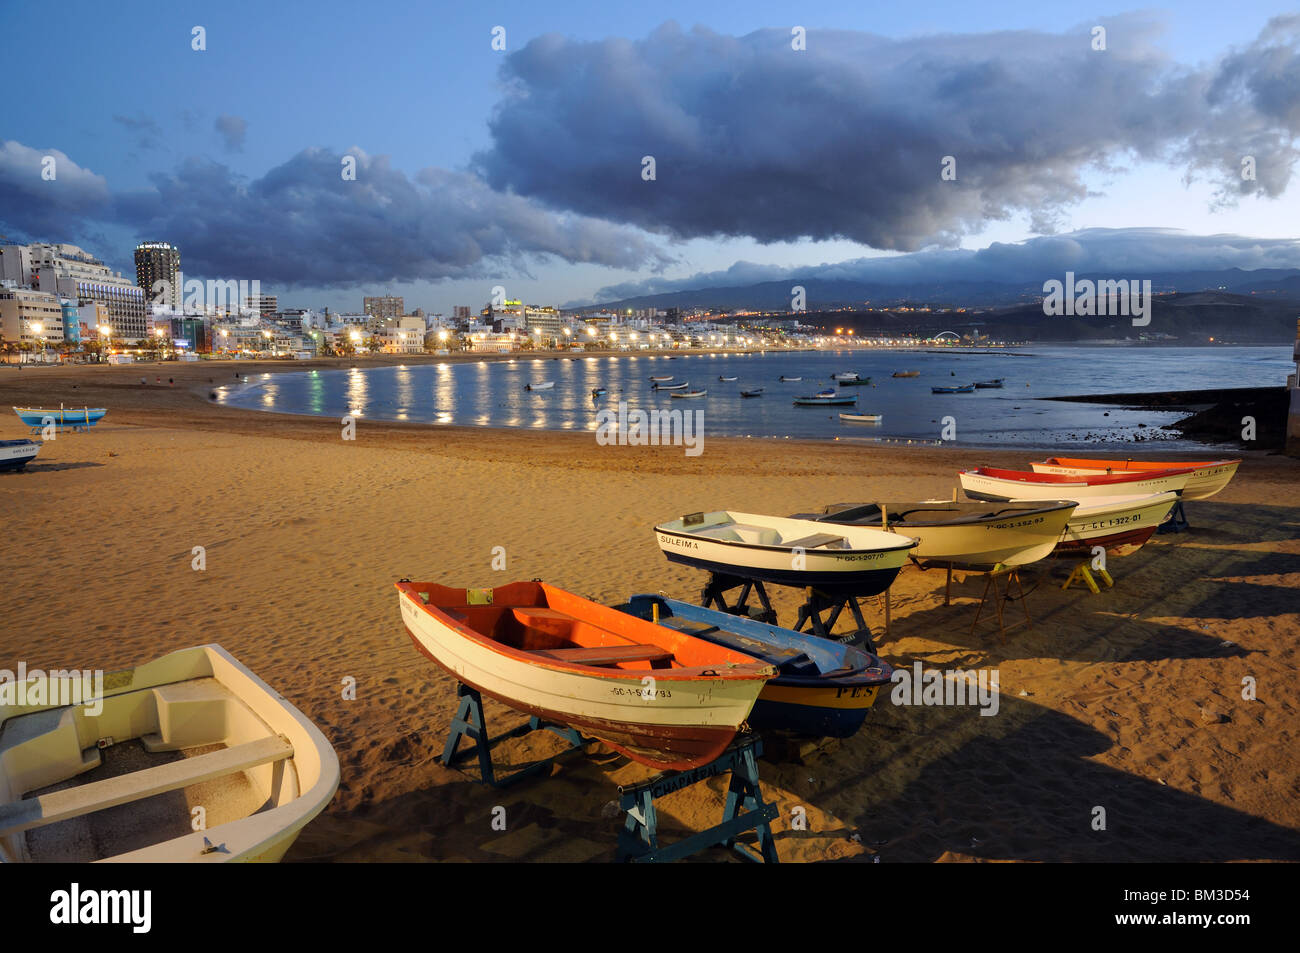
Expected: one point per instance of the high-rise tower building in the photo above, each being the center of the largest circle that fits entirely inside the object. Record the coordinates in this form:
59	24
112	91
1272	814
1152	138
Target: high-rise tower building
158	261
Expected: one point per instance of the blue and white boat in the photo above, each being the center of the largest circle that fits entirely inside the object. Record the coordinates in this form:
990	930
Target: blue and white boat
822	688
77	418
957	389
16	454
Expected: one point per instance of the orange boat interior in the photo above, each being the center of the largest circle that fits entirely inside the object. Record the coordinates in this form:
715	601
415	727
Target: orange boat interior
558	626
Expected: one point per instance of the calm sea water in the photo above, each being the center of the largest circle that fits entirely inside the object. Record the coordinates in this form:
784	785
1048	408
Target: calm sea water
492	394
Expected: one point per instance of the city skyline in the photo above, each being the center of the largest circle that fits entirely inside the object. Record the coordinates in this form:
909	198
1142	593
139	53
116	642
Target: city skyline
526	168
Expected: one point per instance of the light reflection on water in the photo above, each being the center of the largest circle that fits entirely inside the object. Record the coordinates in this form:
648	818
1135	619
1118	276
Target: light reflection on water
493	394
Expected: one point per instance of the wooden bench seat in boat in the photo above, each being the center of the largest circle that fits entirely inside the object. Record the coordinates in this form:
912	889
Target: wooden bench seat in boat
138	785
607	654
742	533
813	541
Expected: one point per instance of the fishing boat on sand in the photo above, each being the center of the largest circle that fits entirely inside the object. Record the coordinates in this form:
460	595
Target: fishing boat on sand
756	392
545	385
114	772
1120	524
822	688
682	386
990	483
821	401
16	454
1208	477
37	417
863	418
567	660
956	389
688	393
971	536
751	546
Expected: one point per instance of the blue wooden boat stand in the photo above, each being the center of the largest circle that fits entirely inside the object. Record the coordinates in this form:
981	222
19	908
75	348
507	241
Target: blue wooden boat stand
821	602
470	723
1177	521
745	810
813	611
639	839
721	583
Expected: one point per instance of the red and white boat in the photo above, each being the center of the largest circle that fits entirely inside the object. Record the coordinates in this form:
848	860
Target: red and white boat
1119	524
1208	477
659	696
991	483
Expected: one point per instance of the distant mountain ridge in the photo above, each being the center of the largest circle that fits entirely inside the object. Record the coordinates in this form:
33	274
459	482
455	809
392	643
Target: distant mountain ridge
826	294
1197	317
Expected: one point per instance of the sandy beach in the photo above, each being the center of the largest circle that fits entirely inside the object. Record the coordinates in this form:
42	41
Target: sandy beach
1130	700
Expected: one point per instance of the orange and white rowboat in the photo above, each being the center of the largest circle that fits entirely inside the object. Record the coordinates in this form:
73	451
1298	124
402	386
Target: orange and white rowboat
659	696
1207	478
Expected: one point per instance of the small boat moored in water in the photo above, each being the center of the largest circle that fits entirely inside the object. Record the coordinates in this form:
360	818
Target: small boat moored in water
195	727
545	385
822	688
906	374
599	391
549	653
16	454
1208	477
856	382
820	401
721	378
682	386
851	558
37	418
784	378
990	385
957	389
660	380
756	392
688	393
990	483
863	418
847	376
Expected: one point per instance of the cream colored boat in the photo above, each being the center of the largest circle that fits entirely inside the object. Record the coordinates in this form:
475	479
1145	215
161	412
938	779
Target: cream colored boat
126	766
1119	524
972	536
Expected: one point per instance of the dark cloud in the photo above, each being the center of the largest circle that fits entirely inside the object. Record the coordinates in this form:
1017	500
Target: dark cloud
232	130
36	208
845	138
1118	251
303	224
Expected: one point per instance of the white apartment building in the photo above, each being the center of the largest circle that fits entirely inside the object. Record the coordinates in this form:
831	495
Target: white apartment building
30	317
